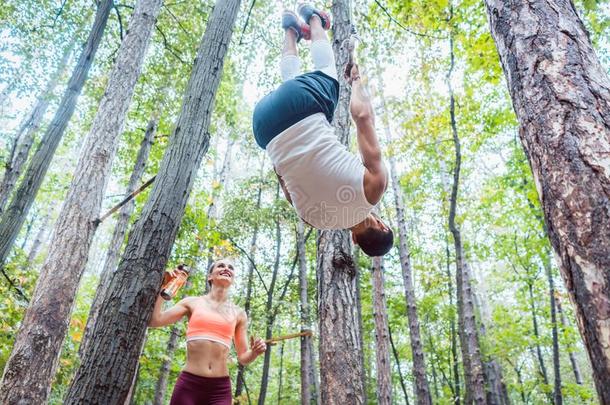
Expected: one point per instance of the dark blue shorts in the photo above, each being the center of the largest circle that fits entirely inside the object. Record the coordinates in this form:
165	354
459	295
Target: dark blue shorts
294	100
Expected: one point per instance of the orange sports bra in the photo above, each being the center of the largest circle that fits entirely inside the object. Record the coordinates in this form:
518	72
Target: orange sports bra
210	325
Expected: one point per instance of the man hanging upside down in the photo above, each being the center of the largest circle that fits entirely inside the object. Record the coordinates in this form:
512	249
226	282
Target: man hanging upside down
330	187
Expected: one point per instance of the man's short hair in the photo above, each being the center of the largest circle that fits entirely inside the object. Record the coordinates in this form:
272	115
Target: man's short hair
375	242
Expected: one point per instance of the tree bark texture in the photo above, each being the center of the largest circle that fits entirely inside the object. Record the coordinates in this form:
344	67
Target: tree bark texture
561	96
421	388
309	393
108	365
30	368
469	339
120	228
340	345
162	381
24	138
23	198
382	340
48	316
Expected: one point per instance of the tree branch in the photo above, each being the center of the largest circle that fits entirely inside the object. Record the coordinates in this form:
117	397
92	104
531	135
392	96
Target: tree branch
168	47
15	286
410	31
251	262
246	23
118	14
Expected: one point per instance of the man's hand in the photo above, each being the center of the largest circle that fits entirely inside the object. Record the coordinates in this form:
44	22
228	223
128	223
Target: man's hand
258	346
360	104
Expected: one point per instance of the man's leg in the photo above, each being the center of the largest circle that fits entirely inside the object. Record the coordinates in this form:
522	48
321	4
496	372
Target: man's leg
321	50
290	65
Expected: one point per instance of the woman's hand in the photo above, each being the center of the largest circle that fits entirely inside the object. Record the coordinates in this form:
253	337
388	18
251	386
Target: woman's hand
258	346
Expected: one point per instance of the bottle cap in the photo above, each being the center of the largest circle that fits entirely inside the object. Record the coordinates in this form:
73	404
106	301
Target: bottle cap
183	268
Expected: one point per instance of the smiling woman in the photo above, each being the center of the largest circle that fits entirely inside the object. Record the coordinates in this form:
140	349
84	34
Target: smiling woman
213	323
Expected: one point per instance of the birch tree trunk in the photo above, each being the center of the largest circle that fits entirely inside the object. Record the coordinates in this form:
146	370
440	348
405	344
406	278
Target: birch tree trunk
107	366
340	345
309	393
162	381
382	340
561	96
23	198
120	228
469	339
421	387
24	138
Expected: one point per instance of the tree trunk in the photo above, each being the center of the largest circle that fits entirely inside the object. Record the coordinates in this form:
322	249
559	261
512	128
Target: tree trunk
541	365
14	216
239	381
455	371
22	379
561	96
24	138
279	387
162	381
309	394
573	361
340	345
497	394
120	229
403	386
39	239
469	339
48	316
270	314
382	340
107	366
421	387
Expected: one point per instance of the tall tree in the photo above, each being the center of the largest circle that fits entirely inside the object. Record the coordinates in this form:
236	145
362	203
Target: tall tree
24	138
561	96
239	384
340	345
23	198
48	315
120	228
469	339
573	361
269	313
163	379
106	368
382	339
420	382
309	391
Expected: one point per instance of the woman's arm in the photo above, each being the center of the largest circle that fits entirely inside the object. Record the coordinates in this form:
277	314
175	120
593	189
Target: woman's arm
172	315
246	356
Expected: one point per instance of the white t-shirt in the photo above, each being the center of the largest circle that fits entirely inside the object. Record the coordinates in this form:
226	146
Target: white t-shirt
325	181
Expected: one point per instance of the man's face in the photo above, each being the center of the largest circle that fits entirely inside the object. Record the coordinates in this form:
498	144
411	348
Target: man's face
372	221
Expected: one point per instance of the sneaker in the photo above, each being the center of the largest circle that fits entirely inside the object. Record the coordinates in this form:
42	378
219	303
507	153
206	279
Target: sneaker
307	10
291	21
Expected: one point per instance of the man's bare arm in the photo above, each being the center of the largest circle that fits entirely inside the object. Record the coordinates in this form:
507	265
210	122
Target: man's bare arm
375	179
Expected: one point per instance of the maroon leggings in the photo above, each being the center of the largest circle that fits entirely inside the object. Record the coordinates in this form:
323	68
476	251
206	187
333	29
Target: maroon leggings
191	389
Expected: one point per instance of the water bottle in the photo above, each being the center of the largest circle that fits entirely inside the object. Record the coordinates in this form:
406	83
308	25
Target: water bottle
169	289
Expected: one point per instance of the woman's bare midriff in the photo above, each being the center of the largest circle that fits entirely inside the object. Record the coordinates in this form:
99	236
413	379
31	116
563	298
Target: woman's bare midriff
206	358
